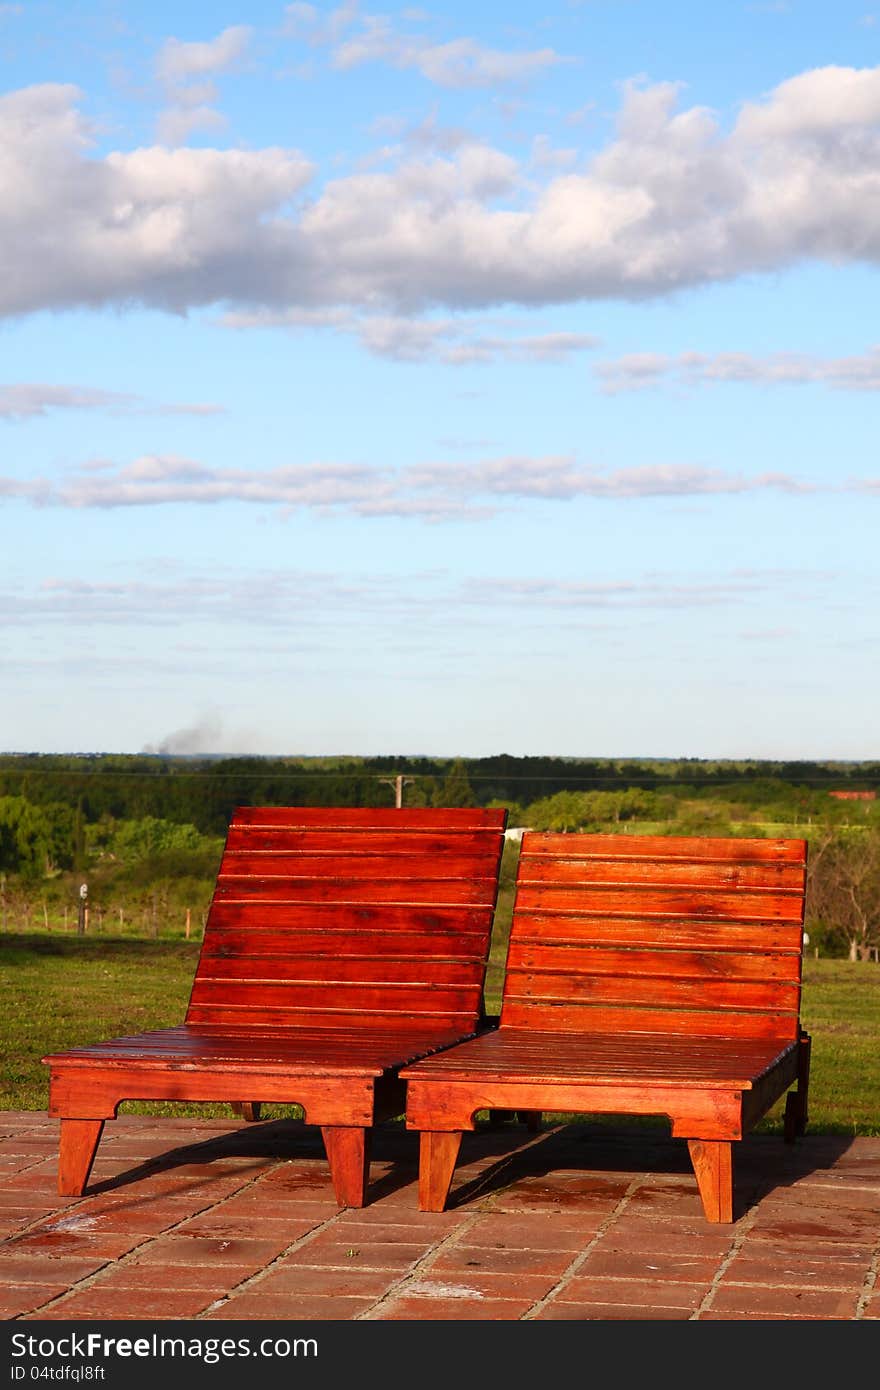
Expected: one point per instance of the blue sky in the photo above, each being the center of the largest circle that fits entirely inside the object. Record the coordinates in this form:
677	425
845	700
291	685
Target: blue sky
453	380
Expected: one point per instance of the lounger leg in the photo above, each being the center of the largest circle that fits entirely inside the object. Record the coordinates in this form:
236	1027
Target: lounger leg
796	1117
348	1153
247	1109
713	1166
77	1149
437	1155
531	1119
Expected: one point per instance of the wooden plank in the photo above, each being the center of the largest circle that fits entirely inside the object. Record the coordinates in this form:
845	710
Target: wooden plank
255	839
663	991
338	968
262	943
636	873
675	933
529	1055
352	917
663	847
417	892
365	1015
590	960
663	903
567	1018
353	866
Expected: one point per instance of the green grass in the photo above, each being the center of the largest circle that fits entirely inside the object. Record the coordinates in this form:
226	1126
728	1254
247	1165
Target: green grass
59	992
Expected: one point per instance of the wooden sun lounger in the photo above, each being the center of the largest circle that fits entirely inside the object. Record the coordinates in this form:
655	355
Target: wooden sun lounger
645	975
339	945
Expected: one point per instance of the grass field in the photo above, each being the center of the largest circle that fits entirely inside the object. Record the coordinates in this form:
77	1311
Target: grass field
59	992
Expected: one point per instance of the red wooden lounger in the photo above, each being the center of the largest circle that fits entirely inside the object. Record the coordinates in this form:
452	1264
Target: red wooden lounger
645	975
339	945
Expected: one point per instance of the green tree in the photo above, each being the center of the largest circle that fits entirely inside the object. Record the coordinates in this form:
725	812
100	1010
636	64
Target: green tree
456	789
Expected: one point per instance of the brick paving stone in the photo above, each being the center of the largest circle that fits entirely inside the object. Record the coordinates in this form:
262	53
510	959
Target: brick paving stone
140	1275
130	1303
679	1266
433	1223
608	1312
552	1200
510	1230
478	1283
252	1307
210	1250
838	1224
46	1269
412	1309
28	1296
375	1254
251	1209
756	1301
639	1293
39	1196
798	1273
143	1220
49	1240
463	1259
220	1224
647	1234
324	1280
671	1202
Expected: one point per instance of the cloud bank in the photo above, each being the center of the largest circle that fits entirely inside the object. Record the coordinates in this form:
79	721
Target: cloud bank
439	491
672	201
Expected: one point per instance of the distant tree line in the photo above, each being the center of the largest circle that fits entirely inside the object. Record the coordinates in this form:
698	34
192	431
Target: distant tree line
205	791
148	830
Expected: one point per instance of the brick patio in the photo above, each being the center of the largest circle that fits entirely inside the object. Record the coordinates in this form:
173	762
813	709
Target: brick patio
216	1219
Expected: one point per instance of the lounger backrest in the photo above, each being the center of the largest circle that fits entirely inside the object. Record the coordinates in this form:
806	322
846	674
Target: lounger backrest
332	917
645	934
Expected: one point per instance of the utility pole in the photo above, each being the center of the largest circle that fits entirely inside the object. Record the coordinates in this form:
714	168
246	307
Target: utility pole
82	920
398	783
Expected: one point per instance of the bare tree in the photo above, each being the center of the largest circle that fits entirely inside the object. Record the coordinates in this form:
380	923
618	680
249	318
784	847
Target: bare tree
843	887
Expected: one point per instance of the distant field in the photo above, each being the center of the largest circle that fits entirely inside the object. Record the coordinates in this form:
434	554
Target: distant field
62	991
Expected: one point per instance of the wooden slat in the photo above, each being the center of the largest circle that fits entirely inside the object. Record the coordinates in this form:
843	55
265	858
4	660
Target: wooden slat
402	998
337	1017
663	991
692	965
530	1054
337	967
356	918
576	1018
427	892
258	944
661	903
353	867
674	933
255	839
663	847
705	874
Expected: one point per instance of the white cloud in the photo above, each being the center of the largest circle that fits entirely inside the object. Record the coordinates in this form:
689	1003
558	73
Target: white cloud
302	602
27	400
670	202
456	64
636	371
455	342
434	492
176	123
461	62
179	61
168	228
190	106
